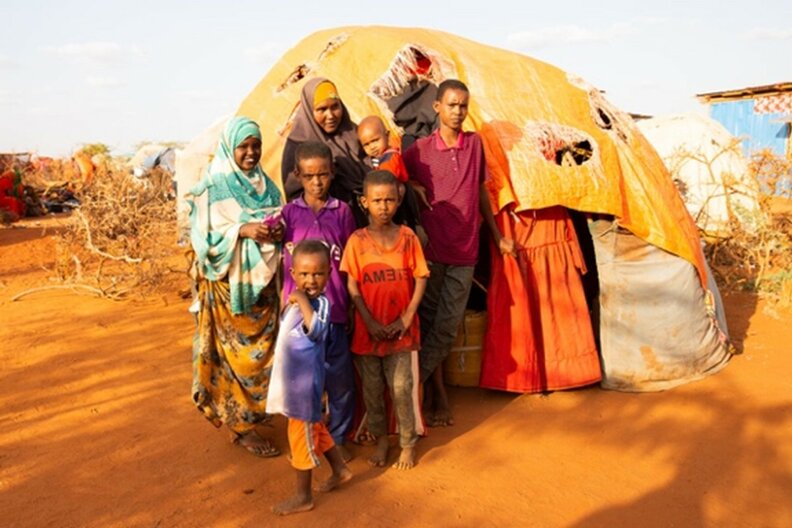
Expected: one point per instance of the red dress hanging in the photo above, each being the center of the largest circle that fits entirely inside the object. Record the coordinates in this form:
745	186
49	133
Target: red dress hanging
539	334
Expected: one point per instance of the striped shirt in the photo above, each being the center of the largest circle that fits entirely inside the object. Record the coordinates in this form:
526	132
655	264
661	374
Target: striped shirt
452	177
298	369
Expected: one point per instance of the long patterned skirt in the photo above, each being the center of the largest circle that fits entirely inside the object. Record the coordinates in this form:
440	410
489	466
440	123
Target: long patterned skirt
232	357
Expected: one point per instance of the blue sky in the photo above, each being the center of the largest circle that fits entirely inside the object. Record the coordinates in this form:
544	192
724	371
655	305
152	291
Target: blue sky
121	72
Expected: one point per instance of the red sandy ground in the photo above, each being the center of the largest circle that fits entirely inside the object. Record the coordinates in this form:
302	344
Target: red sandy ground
97	429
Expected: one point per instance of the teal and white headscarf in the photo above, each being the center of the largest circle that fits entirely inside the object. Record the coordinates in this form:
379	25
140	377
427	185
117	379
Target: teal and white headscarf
220	204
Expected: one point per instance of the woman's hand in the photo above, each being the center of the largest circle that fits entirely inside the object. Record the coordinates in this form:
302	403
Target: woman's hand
261	233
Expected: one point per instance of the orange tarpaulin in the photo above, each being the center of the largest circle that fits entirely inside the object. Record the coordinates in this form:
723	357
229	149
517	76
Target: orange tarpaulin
523	107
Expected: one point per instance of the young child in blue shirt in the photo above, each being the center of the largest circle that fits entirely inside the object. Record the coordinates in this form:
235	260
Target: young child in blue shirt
298	373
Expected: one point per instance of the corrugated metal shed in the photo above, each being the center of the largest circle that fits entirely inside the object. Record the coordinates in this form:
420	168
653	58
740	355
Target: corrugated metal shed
760	114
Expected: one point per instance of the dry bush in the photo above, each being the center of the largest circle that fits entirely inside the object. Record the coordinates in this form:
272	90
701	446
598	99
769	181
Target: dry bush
758	257
719	187
57	173
116	242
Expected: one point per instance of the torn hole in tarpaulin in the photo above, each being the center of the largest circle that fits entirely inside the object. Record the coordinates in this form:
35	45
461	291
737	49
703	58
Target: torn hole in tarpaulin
299	73
405	91
332	46
608	117
283	130
560	144
603	113
302	71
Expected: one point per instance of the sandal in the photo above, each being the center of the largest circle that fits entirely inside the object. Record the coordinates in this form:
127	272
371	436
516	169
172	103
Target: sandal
256	445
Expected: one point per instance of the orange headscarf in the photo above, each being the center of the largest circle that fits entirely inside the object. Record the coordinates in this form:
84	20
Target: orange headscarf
324	91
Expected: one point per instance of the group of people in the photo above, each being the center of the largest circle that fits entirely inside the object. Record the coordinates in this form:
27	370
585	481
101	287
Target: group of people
390	236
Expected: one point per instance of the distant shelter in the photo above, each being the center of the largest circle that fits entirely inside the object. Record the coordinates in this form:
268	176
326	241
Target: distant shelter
762	115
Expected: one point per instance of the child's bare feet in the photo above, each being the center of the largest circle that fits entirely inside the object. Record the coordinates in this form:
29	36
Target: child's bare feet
380	456
346	456
335	480
442	418
406	458
295	504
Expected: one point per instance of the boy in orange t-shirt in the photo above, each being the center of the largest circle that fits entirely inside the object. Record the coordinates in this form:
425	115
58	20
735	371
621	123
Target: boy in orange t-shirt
386	276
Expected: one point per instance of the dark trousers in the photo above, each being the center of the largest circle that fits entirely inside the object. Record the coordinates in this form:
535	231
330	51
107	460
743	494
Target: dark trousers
442	310
396	371
339	383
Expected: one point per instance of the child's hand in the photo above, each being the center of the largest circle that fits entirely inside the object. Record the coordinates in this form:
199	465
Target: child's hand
420	192
377	331
276	232
507	247
399	327
296	296
393	330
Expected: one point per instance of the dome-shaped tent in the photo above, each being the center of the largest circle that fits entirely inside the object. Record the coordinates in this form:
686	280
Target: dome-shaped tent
191	162
708	163
550	139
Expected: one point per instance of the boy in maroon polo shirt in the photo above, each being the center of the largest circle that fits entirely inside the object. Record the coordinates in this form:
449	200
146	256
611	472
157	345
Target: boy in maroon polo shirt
447	171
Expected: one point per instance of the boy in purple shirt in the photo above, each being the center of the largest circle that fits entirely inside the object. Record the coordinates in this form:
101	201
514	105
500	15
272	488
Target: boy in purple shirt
447	171
317	215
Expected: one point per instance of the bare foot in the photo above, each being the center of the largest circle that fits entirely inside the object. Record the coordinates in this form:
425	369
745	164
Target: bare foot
261	447
380	456
335	480
441	418
295	504
406	458
346	456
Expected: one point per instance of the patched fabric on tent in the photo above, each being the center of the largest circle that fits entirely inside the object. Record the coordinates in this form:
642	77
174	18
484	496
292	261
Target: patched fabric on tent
672	321
550	140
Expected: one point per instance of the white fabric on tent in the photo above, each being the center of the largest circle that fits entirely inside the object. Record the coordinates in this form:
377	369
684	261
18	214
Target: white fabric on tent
700	152
191	162
143	153
658	326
